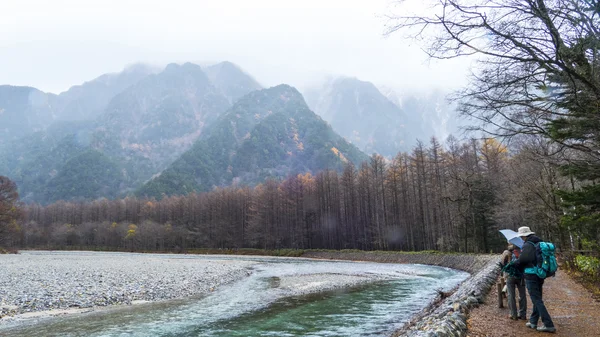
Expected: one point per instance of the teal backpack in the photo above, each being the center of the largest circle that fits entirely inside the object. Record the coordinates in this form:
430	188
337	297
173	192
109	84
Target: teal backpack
546	260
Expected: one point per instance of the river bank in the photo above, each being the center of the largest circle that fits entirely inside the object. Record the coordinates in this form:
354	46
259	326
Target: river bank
471	263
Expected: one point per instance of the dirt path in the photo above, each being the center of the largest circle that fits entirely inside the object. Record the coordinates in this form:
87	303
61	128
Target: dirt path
574	312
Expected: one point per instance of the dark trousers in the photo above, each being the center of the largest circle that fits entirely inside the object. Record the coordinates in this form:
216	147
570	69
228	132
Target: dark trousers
534	287
519	284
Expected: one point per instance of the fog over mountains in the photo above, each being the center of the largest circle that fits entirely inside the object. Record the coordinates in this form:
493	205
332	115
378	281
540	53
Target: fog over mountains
185	128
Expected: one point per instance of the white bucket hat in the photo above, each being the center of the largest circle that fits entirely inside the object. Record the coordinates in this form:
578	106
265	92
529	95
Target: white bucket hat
525	231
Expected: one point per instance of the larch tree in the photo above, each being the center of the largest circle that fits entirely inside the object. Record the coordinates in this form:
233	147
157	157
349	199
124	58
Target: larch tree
9	211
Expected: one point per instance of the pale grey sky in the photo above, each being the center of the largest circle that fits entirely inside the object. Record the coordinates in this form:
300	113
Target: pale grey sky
54	44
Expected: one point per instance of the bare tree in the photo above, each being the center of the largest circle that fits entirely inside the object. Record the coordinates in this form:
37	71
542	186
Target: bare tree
537	73
533	57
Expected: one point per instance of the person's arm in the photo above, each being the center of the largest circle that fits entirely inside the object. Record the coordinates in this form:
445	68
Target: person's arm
506	257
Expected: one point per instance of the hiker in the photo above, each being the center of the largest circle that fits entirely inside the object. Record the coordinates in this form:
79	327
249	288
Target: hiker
514	279
526	263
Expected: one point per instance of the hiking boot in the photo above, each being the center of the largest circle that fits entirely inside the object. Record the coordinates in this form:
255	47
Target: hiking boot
546	329
531	325
523	317
514	318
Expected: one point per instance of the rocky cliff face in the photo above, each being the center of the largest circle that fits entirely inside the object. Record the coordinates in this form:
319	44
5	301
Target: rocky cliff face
359	112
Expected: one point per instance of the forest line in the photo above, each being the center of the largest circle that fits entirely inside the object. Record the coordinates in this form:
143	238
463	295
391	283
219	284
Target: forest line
448	198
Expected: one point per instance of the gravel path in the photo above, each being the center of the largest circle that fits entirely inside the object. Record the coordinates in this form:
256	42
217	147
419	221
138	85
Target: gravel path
41	281
574	312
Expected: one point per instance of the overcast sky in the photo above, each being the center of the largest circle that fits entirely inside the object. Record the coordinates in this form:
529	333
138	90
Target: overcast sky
55	44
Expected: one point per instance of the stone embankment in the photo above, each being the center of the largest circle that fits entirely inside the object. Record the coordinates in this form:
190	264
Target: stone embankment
470	263
446	317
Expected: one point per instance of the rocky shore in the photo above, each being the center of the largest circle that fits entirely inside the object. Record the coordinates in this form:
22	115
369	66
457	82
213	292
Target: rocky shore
43	281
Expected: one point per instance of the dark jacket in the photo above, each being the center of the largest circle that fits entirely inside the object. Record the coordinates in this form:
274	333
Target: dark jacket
528	257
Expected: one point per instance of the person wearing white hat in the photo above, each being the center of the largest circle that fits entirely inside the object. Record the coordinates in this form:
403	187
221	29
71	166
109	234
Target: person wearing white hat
526	262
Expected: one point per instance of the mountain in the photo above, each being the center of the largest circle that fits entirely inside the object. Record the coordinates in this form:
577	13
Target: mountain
88	175
267	133
391	95
438	116
33	160
88	100
23	110
358	111
231	80
141	129
151	123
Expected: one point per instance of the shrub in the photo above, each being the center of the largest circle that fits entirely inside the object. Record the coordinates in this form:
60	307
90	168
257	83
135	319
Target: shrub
588	265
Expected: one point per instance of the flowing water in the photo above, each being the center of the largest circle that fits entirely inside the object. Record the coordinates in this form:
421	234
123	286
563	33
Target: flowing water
269	303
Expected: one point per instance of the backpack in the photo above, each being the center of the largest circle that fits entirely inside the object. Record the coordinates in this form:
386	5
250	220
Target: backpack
546	259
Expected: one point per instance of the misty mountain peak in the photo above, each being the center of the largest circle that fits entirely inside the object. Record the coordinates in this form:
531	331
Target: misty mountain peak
274	99
353	83
231	80
227	66
172	67
23	110
286	90
88	100
139	67
358	111
186	68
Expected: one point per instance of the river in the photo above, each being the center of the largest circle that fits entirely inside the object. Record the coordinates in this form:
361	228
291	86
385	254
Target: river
280	297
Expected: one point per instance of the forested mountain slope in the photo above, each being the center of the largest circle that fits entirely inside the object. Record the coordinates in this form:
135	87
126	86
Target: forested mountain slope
268	133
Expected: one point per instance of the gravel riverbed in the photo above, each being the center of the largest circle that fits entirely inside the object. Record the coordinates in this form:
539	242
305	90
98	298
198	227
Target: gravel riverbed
47	283
43	284
41	281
